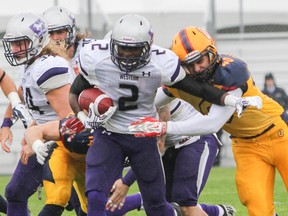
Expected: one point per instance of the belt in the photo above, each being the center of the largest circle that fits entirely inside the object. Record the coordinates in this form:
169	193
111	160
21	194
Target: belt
257	135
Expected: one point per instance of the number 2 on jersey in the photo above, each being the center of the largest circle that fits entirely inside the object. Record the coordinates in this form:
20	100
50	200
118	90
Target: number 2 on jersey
123	106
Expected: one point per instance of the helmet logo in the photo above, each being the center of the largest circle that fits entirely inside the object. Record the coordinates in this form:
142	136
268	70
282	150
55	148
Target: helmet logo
151	33
128	39
204	32
38	28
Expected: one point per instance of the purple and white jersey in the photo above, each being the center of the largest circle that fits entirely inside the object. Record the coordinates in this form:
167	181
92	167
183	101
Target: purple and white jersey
44	74
133	93
181	111
80	44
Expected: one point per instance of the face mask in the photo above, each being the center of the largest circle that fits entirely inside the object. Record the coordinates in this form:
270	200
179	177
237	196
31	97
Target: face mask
271	89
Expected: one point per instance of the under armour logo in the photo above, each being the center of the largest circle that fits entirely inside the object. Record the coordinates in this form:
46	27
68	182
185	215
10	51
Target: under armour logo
105	131
146	74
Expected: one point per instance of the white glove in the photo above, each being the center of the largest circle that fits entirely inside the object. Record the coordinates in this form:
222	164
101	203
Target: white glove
41	149
92	121
242	103
20	111
148	127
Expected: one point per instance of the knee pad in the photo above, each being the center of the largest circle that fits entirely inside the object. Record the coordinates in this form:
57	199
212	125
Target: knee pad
49	210
13	194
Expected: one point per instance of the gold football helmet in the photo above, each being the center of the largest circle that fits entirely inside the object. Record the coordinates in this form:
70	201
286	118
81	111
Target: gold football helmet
192	43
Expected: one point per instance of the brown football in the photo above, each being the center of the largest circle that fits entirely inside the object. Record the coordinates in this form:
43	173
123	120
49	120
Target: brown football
102	102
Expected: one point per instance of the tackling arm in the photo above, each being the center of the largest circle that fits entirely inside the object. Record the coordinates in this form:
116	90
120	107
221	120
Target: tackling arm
199	125
202	90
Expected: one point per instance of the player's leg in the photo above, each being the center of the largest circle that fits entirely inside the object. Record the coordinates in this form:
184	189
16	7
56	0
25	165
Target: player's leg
147	167
80	189
255	175
104	165
191	170
280	149
59	173
24	183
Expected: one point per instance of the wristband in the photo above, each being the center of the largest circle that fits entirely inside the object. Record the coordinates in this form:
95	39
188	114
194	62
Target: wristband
231	100
36	145
81	116
7	123
14	98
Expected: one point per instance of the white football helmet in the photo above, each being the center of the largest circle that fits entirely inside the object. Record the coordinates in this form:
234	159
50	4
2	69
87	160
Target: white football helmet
131	31
29	27
108	35
58	18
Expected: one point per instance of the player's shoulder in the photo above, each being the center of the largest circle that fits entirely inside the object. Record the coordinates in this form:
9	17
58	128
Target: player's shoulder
49	61
84	42
231	72
50	67
163	57
96	46
161	52
95	51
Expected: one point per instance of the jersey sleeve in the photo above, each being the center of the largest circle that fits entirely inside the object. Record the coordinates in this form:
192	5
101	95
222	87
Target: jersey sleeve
203	124
232	73
88	59
169	64
163	97
53	73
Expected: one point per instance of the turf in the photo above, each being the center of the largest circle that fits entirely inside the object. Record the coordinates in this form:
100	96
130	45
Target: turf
220	188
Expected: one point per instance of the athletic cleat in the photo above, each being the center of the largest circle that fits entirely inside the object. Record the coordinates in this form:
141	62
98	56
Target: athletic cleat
229	210
176	207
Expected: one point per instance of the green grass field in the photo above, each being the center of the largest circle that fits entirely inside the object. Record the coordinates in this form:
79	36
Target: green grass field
220	188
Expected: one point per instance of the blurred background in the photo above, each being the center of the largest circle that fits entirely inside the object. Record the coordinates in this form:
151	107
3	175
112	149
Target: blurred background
253	30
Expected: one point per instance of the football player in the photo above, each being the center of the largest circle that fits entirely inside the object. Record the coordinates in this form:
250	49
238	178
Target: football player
187	162
45	80
66	161
72	144
129	68
63	30
259	137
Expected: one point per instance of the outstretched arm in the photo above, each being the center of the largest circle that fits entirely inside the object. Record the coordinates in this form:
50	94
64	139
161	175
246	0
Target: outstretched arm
119	191
203	90
198	125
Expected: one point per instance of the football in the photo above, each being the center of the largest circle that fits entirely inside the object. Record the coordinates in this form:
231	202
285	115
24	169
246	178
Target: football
102	102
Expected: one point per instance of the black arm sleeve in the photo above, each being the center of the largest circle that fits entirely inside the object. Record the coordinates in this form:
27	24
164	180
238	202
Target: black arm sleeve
79	84
202	90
